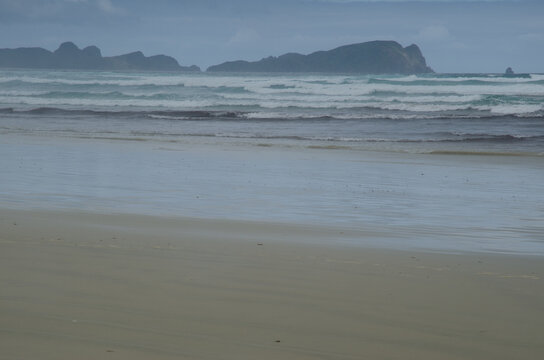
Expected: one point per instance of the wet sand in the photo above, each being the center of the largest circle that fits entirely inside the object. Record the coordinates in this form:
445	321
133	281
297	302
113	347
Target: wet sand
89	286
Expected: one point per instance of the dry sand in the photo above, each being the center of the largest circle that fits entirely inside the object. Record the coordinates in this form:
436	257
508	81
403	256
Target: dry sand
83	286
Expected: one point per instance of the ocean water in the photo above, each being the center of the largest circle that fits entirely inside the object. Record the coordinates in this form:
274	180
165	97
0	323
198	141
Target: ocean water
437	161
487	113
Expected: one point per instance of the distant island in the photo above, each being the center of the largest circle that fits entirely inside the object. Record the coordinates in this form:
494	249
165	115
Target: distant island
69	56
374	57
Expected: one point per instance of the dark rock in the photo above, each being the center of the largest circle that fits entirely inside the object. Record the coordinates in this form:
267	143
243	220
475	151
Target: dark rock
67	49
511	74
69	56
26	58
92	51
194	68
374	57
137	60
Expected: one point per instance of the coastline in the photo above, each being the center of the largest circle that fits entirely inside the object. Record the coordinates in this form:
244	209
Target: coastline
290	217
450	203
135	286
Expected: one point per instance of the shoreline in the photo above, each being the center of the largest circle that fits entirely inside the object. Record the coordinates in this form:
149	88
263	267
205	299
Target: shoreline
171	228
452	203
139	287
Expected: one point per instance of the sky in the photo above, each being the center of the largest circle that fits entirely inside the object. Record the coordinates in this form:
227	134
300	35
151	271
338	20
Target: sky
454	36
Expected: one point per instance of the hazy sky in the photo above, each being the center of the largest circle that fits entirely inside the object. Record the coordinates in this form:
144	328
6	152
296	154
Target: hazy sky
455	36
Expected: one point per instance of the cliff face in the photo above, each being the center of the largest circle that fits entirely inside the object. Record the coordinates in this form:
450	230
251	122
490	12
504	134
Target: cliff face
69	56
374	57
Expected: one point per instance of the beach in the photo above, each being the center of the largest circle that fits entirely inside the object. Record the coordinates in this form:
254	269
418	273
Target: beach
199	216
441	202
87	286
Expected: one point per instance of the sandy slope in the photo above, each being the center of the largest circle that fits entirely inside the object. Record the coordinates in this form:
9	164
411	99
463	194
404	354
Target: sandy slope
83	286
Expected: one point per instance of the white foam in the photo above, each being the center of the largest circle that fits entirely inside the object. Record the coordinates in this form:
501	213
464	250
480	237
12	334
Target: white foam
512	109
22	93
491	79
297	84
100	80
277	103
320	92
113	103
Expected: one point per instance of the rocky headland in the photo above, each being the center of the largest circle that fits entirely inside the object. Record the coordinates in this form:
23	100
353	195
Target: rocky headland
374	57
69	56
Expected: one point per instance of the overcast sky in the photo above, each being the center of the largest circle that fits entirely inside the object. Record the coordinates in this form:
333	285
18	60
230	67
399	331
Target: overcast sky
454	36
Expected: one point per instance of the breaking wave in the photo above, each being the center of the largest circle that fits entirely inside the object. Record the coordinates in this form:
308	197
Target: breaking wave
433	112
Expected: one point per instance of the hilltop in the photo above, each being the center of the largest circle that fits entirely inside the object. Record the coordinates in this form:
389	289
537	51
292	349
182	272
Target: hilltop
374	57
69	56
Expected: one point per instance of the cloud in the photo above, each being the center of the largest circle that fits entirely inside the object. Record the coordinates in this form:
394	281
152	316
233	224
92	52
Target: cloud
422	1
243	36
108	7
532	37
434	33
60	11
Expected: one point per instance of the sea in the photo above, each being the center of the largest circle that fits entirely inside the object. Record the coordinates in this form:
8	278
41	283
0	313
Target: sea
446	162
